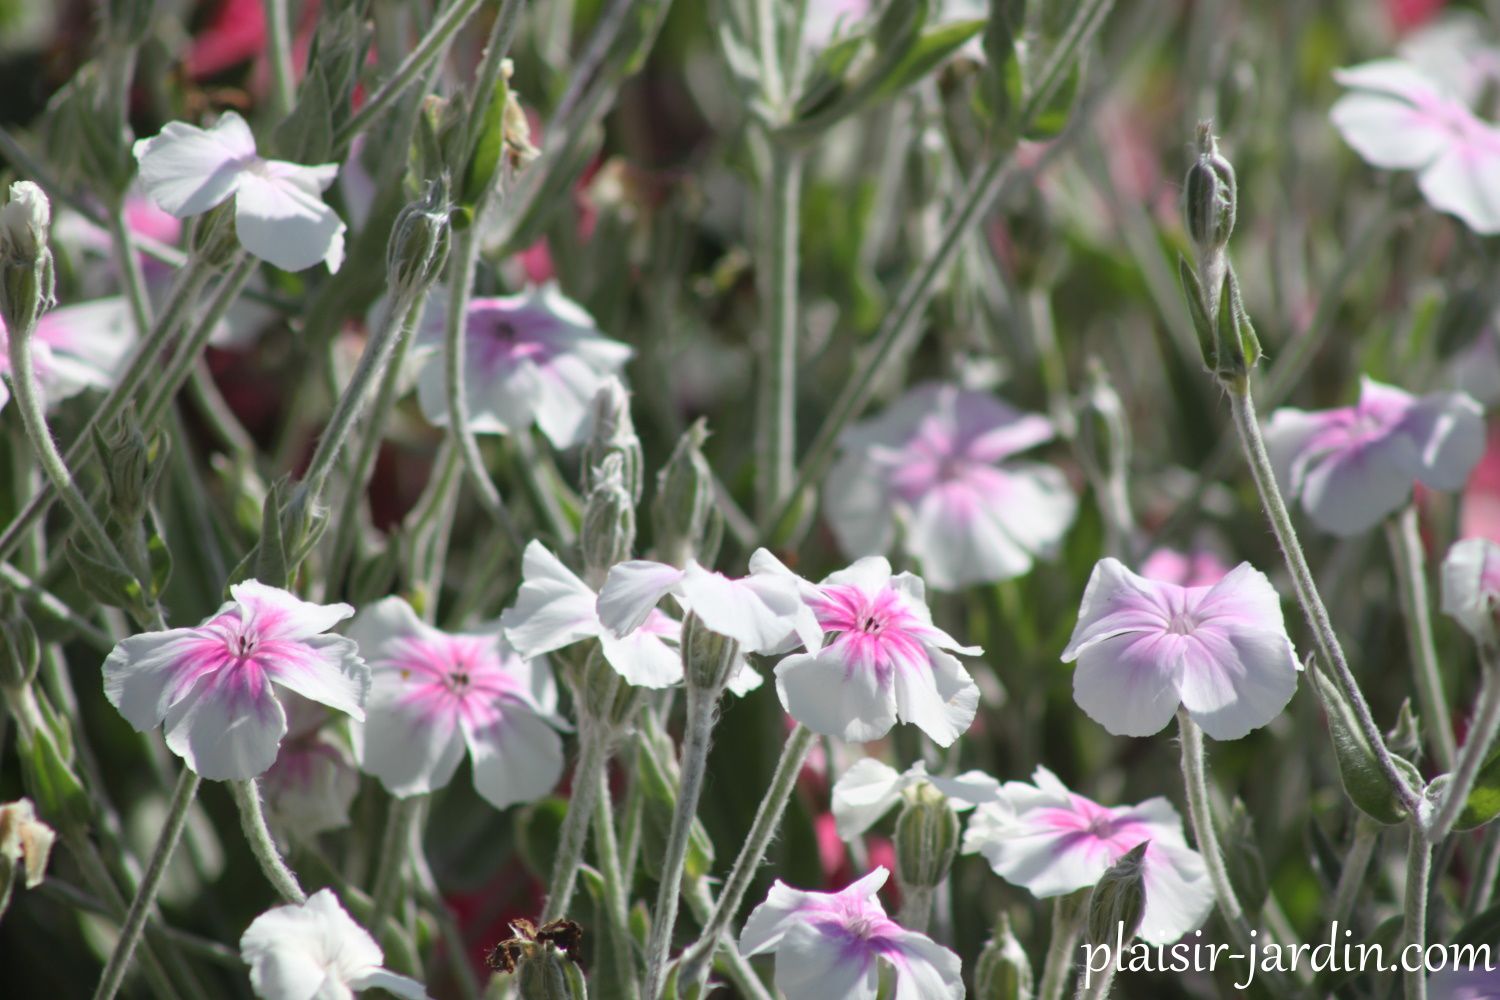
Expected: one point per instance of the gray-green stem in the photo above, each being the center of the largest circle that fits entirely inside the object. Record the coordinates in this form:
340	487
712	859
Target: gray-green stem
1476	747
1405	538
1414	904
1057	967
701	707
1352	875
779	268
279	54
916	907
1332	653
1201	817
737	970
145	894
617	912
393	852
593	755
262	844
697	958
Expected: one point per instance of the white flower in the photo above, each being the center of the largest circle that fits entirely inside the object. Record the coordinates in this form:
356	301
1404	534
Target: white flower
1053	841
278	206
315	951
1471	586
831	945
24	221
886	661
436	694
868	790
75	348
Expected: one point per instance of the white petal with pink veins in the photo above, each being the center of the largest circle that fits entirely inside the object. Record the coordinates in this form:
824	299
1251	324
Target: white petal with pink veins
517	759
819	692
187	170
632	590
228	727
553	608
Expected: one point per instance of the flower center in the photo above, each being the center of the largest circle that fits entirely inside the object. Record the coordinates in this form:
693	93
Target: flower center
1102	827
1182	623
871	624
243	645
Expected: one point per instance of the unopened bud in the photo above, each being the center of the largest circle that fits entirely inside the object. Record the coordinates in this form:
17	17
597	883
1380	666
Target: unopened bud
607	535
214	241
1209	195
24	841
708	658
684	498
1119	899
926	838
419	244
1003	971
547	974
132	465
26	276
19	650
613	433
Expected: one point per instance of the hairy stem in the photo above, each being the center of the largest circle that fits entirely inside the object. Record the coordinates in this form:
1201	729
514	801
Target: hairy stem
262	844
392	860
1405	538
1475	749
593	755
778	267
1414	924
1200	815
1057	967
617	911
279	54
1356	867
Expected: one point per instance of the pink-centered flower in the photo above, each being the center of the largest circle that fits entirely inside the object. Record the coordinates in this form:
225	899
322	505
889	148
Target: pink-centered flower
765	612
870	789
833	944
211	687
937	465
555	609
1399	118
436	695
1353	465
75	348
1146	646
314	780
1052	841
536	357
886	661
315	951
1471	586
279	213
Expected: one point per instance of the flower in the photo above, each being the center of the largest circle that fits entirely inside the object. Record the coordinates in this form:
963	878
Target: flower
887	661
763	612
278	206
1353	465
75	348
1197	568
868	790
315	951
25	842
313	782
1479	514
1052	841
1471	586
211	686
831	944
436	693
533	357
934	464
1145	646
1399	118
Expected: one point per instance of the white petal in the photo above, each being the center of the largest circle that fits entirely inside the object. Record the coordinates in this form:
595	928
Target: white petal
1127	685
1116	601
631	590
643	659
146	674
961	540
187	170
88	342
1471	585
967	790
1449	430
1463	181
816	692
383	979
280	614
929	971
411	751
1387	132
769	921
858	507
1236	682
517	759
333	675
758	611
1179	894
744	679
553	608
865	793
1047	862
1355	488
284	224
567	387
1287	434
941	701
382	623
228	727
811	966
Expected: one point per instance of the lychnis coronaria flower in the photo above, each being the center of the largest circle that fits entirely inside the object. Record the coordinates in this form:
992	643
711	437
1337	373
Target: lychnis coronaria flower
315	951
1354	465
1471	586
1146	646
1400	118
1052	841
279	215
886	661
435	694
536	357
313	782
869	789
210	687
833	944
937	466
75	348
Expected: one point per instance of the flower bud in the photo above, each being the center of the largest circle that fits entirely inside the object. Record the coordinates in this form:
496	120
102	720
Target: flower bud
613	433
19	650
26	276
1119	898
607	535
684	498
926	838
214	242
132	466
547	974
24	840
1003	972
419	244
708	658
1209	195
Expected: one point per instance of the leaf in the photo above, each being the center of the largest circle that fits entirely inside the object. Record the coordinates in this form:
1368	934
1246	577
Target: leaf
1364	781
1192	290
1483	803
101	580
490	146
1050	119
1247	869
1483	929
660	790
932	48
537	828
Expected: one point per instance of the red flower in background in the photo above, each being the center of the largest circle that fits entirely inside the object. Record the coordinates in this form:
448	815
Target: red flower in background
1408	15
1480	514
